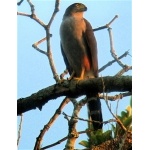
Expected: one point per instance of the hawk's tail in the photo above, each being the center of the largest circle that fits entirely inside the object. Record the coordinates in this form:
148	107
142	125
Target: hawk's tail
95	112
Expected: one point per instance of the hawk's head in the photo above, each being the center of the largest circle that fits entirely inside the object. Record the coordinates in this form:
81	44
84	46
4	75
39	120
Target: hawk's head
74	8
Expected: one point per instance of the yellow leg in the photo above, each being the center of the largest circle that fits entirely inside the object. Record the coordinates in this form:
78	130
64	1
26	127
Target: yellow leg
72	75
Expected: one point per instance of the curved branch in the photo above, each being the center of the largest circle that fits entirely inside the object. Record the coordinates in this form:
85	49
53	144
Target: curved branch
74	88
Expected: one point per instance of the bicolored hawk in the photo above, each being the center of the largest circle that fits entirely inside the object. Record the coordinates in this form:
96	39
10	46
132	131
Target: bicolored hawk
79	50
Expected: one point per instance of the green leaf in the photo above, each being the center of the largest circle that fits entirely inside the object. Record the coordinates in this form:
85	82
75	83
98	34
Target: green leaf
128	122
129	110
84	143
113	129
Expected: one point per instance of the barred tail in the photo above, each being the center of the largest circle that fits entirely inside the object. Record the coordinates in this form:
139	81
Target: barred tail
95	112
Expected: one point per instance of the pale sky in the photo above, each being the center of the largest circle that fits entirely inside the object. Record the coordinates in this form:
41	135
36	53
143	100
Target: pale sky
34	72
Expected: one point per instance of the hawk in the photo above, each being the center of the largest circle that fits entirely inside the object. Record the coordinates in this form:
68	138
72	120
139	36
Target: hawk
79	50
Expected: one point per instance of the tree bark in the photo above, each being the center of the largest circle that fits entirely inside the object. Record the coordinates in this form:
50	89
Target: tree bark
74	88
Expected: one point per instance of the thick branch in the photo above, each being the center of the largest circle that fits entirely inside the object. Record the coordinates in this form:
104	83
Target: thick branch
74	88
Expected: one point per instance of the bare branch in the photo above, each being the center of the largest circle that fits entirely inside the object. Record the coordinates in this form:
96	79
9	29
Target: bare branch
19	130
23	14
116	97
80	132
73	134
73	88
39	42
39	50
48	35
63	139
54	13
54	144
117	119
112	20
49	124
107	25
32	15
87	120
113	61
112	49
32	7
106	100
19	3
66	116
50	58
125	69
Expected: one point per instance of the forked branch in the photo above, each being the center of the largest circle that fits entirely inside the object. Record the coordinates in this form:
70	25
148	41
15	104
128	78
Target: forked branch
49	124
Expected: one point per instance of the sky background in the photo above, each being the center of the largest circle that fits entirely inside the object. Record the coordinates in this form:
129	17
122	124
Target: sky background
34	73
9	63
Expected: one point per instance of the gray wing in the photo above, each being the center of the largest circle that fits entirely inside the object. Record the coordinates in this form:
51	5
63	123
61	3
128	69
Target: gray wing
91	46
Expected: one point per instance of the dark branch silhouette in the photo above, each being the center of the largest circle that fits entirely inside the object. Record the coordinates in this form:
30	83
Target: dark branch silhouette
73	88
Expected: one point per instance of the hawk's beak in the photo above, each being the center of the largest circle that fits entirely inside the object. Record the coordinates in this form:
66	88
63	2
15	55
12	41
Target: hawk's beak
85	9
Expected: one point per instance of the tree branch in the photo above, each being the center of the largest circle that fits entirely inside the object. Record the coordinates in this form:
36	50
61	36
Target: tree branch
116	97
74	88
107	25
48	125
19	3
113	61
19	130
123	70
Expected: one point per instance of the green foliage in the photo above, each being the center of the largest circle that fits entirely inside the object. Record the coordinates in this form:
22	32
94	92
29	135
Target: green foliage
85	143
126	119
98	137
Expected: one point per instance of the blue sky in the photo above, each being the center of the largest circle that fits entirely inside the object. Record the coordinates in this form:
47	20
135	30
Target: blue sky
34	73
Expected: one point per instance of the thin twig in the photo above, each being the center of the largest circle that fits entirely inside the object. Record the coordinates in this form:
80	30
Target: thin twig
107	25
49	124
19	3
66	116
33	15
54	144
23	14
113	61
117	107
57	2
19	130
123	70
48	35
63	139
32	7
117	119
87	120
38	49
73	134
50	58
116	97
112	50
